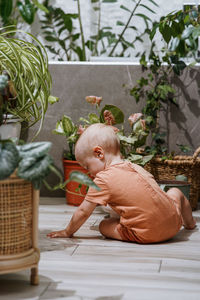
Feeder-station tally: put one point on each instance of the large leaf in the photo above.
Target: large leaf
(68, 125)
(34, 169)
(9, 158)
(128, 139)
(116, 112)
(27, 11)
(6, 7)
(34, 150)
(83, 179)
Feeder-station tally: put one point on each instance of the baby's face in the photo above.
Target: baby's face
(93, 164)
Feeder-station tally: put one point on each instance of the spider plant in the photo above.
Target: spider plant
(25, 63)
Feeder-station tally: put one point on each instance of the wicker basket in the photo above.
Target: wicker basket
(169, 169)
(18, 227)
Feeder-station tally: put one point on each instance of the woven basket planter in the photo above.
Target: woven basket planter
(19, 227)
(169, 169)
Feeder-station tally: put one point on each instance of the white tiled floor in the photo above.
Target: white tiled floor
(91, 267)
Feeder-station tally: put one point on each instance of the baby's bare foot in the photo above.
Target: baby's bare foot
(190, 225)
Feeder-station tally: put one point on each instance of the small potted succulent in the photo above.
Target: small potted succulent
(110, 115)
(25, 81)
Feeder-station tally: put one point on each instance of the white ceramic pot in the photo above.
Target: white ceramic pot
(11, 128)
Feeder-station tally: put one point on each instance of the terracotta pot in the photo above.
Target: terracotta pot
(72, 196)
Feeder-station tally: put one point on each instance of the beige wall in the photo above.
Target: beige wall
(73, 81)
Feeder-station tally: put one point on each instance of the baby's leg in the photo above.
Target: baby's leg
(184, 207)
(108, 228)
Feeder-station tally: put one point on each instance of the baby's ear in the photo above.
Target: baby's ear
(98, 152)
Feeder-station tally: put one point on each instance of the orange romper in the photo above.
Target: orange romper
(147, 214)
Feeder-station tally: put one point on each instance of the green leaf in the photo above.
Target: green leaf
(84, 120)
(176, 28)
(135, 158)
(83, 179)
(116, 112)
(34, 169)
(129, 140)
(34, 150)
(53, 99)
(143, 17)
(153, 31)
(6, 7)
(9, 158)
(165, 30)
(140, 159)
(51, 38)
(27, 11)
(109, 1)
(125, 8)
(148, 8)
(68, 22)
(93, 118)
(153, 2)
(41, 6)
(59, 128)
(68, 125)
(90, 44)
(119, 23)
(178, 67)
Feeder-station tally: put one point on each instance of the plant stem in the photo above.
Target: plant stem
(98, 30)
(123, 31)
(81, 30)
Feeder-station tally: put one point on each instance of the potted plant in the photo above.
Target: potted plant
(23, 169)
(19, 200)
(25, 81)
(179, 31)
(110, 115)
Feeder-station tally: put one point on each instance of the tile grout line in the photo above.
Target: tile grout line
(44, 291)
(74, 250)
(160, 266)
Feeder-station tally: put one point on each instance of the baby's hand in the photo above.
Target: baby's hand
(59, 234)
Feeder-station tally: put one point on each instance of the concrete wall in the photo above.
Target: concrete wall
(73, 81)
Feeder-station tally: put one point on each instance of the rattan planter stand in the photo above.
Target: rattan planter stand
(19, 227)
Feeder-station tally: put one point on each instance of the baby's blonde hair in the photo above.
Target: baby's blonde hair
(97, 135)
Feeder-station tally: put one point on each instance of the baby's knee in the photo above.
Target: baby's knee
(174, 191)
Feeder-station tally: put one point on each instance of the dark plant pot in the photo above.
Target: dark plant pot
(184, 186)
(72, 196)
(11, 128)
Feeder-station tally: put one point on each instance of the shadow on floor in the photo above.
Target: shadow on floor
(16, 286)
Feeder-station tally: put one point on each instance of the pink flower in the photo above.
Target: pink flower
(108, 117)
(80, 130)
(134, 117)
(93, 100)
(143, 124)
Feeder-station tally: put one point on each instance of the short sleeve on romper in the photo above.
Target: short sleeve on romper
(99, 197)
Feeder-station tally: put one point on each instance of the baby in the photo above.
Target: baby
(146, 214)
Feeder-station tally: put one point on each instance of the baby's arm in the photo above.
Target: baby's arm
(78, 219)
